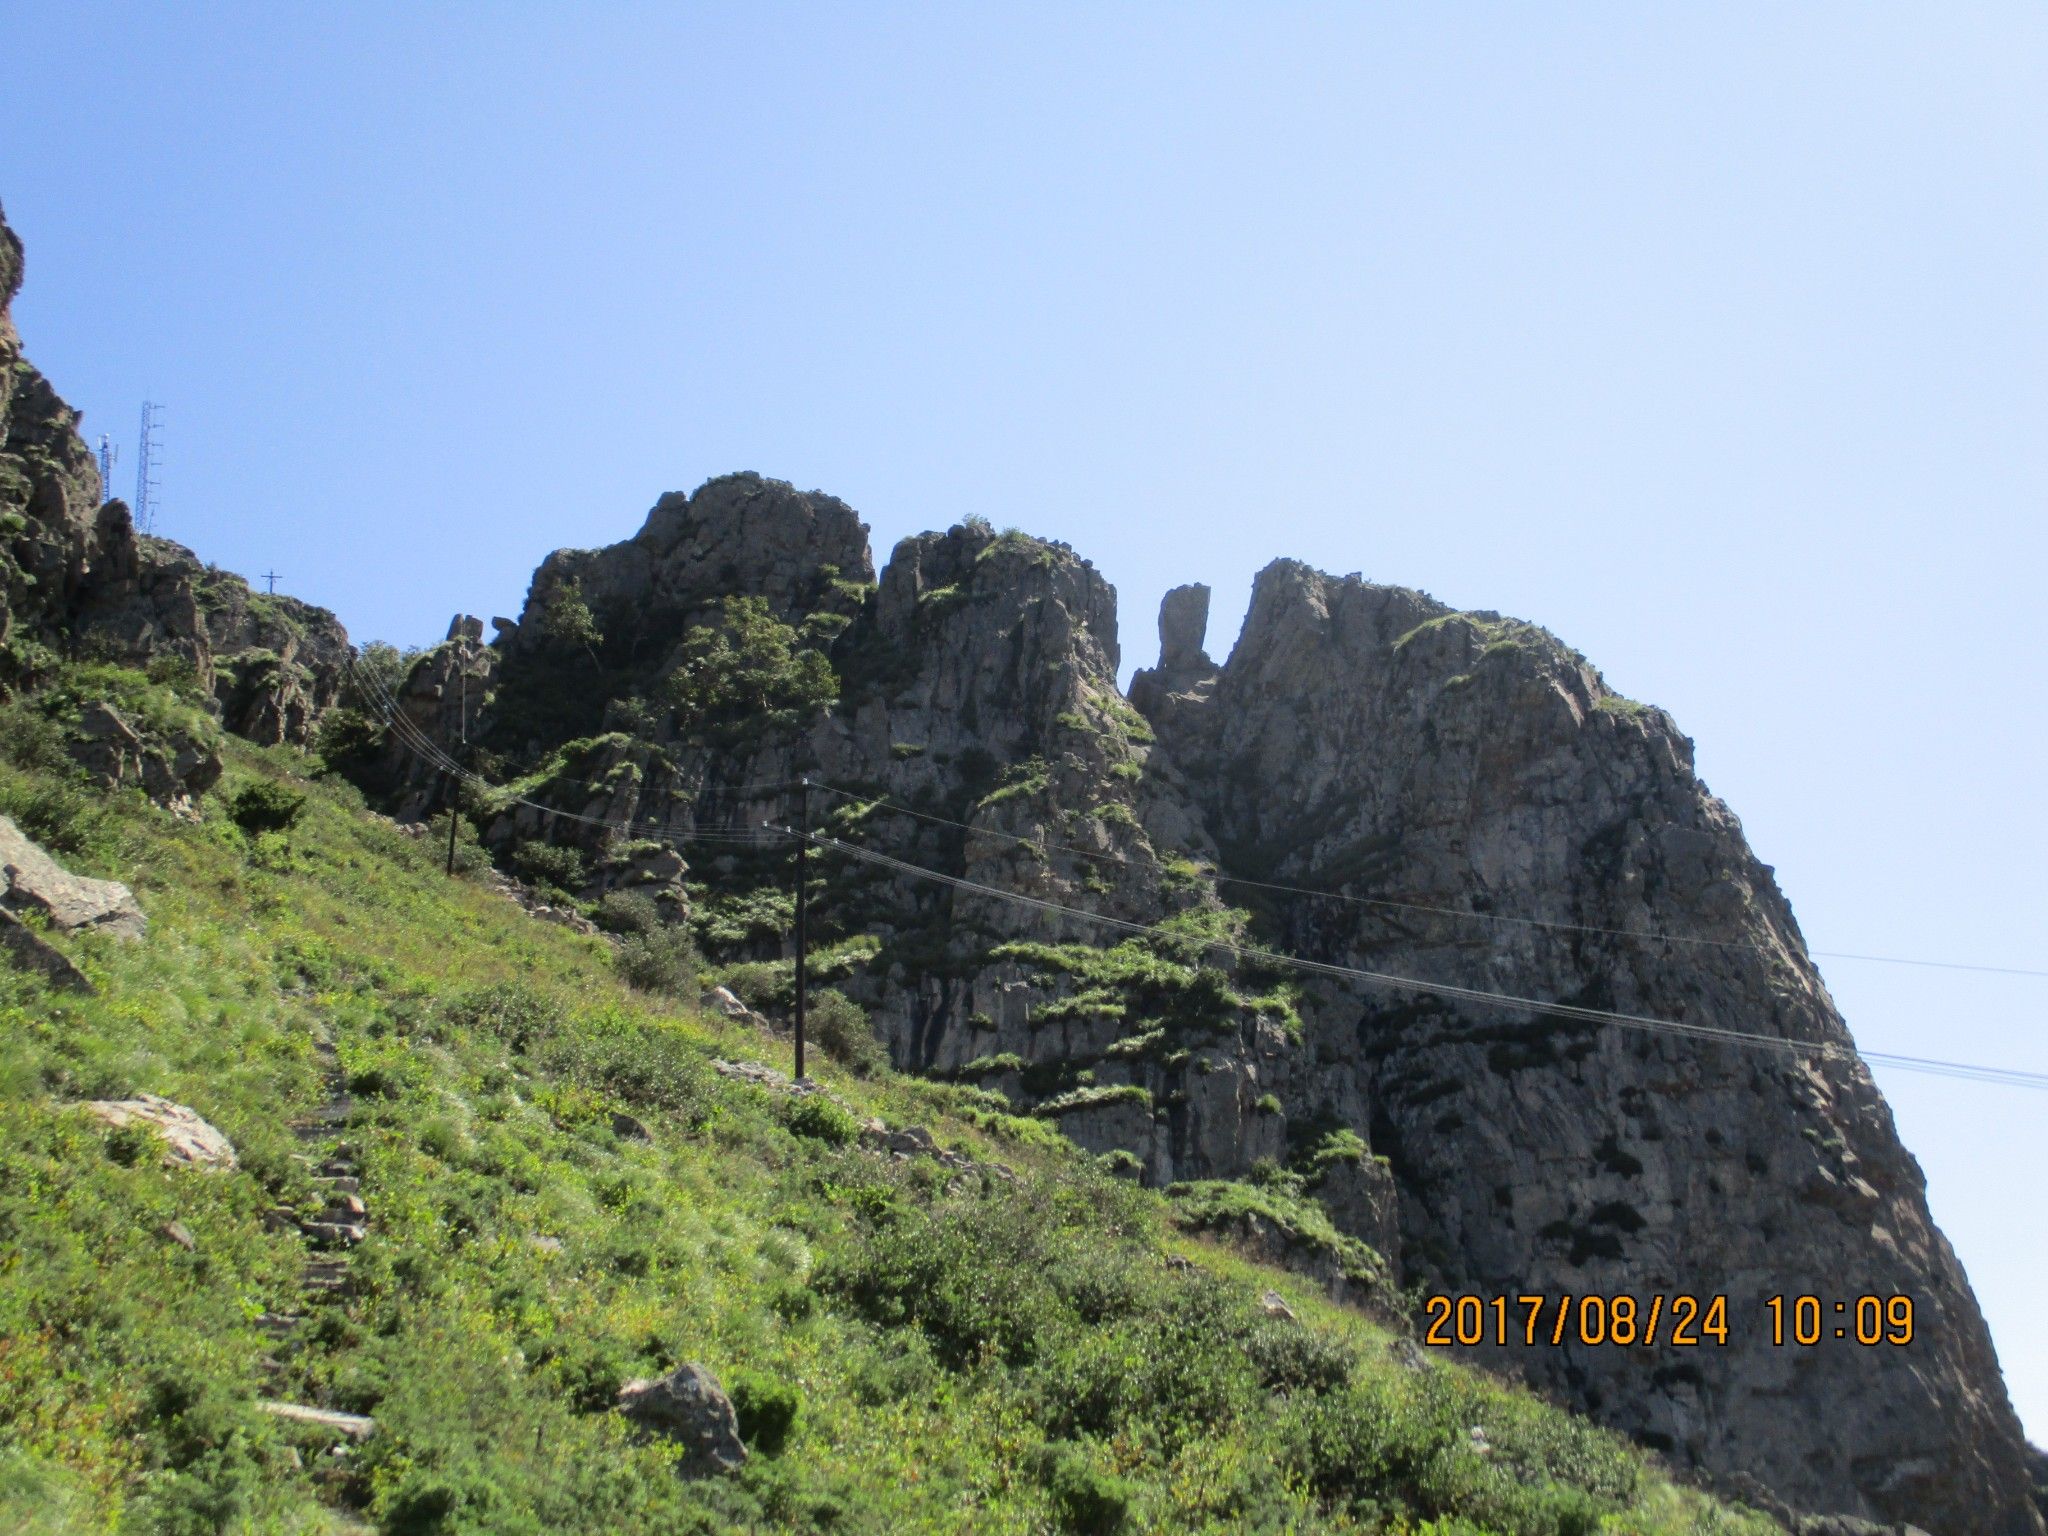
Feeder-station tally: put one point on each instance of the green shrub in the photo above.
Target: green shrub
(265, 806)
(349, 742)
(510, 1011)
(767, 1408)
(627, 912)
(841, 1029)
(815, 1115)
(751, 669)
(659, 960)
(549, 864)
(1086, 1500)
(568, 621)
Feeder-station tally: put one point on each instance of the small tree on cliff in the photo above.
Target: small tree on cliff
(569, 621)
(752, 666)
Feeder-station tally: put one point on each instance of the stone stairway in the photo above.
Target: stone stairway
(342, 1223)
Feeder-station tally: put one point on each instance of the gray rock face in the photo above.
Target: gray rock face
(1183, 624)
(1369, 740)
(173, 770)
(32, 881)
(689, 1407)
(73, 569)
(51, 537)
(271, 664)
(1364, 740)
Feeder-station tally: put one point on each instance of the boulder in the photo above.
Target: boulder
(689, 1407)
(32, 881)
(189, 1142)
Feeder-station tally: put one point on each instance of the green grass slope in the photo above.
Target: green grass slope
(911, 1349)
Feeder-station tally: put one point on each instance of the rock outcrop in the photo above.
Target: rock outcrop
(32, 881)
(173, 768)
(188, 1140)
(1494, 817)
(1436, 771)
(689, 1407)
(76, 578)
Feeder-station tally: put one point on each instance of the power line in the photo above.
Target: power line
(1825, 1049)
(761, 836)
(386, 706)
(420, 745)
(1649, 935)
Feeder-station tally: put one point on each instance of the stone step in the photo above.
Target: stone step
(354, 1425)
(334, 1234)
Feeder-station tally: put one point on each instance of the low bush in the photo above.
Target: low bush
(266, 806)
(627, 912)
(766, 1407)
(659, 960)
(1086, 1500)
(549, 864)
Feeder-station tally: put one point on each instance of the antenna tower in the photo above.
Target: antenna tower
(149, 449)
(108, 454)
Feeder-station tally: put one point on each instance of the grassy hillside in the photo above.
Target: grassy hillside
(911, 1348)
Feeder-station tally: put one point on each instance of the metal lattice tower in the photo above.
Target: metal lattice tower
(149, 450)
(108, 454)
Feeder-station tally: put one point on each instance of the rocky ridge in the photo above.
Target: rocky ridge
(1366, 739)
(1360, 739)
(76, 578)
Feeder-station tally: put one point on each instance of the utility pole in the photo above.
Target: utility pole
(803, 902)
(462, 746)
(451, 825)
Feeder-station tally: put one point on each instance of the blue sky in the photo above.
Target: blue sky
(1713, 338)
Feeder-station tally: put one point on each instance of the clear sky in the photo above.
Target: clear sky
(1714, 338)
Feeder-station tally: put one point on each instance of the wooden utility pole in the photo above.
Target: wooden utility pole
(803, 905)
(452, 787)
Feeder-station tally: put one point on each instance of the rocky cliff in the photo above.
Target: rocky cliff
(76, 578)
(1487, 813)
(1476, 806)
(1367, 740)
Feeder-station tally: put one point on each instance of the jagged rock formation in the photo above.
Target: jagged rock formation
(271, 665)
(1367, 739)
(52, 534)
(75, 575)
(1360, 739)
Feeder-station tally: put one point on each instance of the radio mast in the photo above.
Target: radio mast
(149, 451)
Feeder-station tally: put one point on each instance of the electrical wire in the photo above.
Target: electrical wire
(422, 746)
(1649, 935)
(1826, 1050)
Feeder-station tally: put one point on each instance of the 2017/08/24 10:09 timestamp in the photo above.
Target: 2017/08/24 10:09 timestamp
(1681, 1321)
